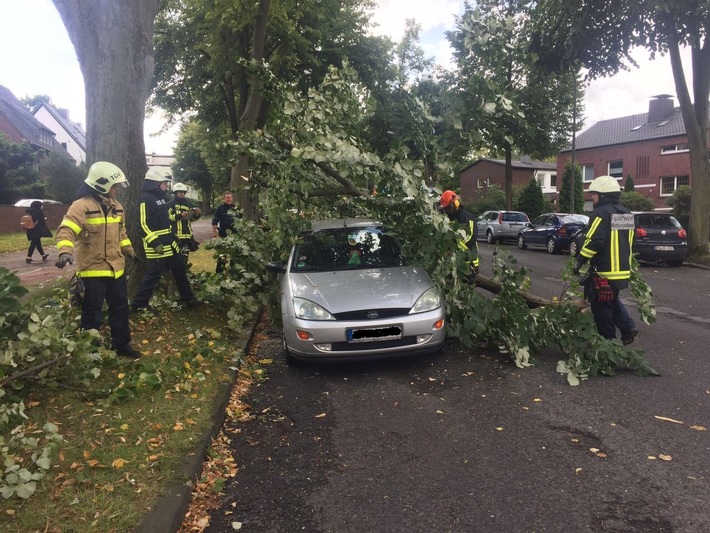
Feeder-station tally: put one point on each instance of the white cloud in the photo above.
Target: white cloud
(390, 15)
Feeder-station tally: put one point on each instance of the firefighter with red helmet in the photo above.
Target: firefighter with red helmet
(450, 204)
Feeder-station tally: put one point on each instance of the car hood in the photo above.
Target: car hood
(348, 290)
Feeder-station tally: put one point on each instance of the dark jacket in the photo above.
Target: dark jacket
(154, 227)
(609, 241)
(40, 230)
(468, 223)
(182, 227)
(224, 217)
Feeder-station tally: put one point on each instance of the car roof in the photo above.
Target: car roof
(318, 225)
(26, 202)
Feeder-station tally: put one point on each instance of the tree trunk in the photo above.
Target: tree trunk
(531, 300)
(113, 40)
(240, 178)
(695, 118)
(508, 177)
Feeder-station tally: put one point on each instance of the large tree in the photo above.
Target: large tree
(113, 40)
(599, 36)
(516, 106)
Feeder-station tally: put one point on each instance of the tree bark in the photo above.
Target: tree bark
(532, 301)
(695, 118)
(113, 40)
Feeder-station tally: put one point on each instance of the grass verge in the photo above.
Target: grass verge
(127, 436)
(15, 242)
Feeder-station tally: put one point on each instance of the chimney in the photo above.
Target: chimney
(64, 112)
(660, 108)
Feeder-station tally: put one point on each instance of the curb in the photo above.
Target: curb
(168, 513)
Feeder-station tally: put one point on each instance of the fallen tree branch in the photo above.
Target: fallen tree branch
(33, 370)
(533, 301)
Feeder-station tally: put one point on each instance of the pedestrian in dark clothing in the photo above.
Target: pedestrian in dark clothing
(608, 248)
(161, 249)
(224, 217)
(35, 234)
(450, 204)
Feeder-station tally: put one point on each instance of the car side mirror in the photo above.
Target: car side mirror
(276, 266)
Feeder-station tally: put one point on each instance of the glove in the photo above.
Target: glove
(136, 259)
(158, 248)
(64, 259)
(604, 292)
(578, 265)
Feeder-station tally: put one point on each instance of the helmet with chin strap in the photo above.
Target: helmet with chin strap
(604, 184)
(155, 175)
(179, 187)
(104, 175)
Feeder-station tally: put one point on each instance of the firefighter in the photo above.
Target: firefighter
(608, 248)
(93, 232)
(161, 249)
(450, 204)
(181, 216)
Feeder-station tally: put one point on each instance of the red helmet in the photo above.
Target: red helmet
(446, 198)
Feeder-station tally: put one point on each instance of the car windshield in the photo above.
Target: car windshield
(344, 249)
(515, 217)
(574, 219)
(657, 221)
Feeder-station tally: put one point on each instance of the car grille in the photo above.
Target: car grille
(375, 345)
(363, 315)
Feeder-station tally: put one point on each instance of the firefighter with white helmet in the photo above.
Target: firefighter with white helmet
(161, 249)
(96, 221)
(181, 215)
(608, 247)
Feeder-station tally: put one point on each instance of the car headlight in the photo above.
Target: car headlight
(428, 301)
(307, 310)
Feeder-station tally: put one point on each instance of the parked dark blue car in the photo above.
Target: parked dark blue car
(551, 231)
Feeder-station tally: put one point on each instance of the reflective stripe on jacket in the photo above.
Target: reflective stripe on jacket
(94, 232)
(608, 250)
(182, 227)
(468, 242)
(154, 226)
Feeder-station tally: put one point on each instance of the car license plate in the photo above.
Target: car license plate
(386, 333)
(664, 248)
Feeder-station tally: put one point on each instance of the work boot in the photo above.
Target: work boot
(194, 303)
(128, 351)
(628, 338)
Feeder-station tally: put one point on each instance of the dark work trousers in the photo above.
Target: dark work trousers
(608, 316)
(176, 264)
(35, 243)
(115, 292)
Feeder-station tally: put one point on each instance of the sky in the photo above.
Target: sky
(38, 58)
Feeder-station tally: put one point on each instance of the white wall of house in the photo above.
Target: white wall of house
(547, 180)
(61, 135)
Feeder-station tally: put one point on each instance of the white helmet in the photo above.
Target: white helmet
(104, 175)
(155, 175)
(179, 187)
(604, 184)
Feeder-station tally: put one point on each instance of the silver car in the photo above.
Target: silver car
(498, 225)
(347, 293)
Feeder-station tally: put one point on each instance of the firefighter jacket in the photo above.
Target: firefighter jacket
(94, 232)
(609, 241)
(154, 226)
(468, 242)
(182, 227)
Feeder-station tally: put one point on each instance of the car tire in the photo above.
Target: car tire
(551, 246)
(573, 247)
(489, 237)
(521, 242)
(288, 357)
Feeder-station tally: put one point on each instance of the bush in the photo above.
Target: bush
(637, 202)
(680, 202)
(491, 200)
(532, 200)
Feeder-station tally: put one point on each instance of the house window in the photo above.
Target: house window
(553, 181)
(588, 172)
(484, 182)
(616, 169)
(674, 148)
(670, 183)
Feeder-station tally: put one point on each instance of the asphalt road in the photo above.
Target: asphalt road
(465, 442)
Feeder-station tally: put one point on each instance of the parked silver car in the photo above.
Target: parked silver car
(498, 225)
(347, 293)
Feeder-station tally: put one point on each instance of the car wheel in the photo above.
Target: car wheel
(551, 246)
(289, 358)
(675, 263)
(489, 237)
(521, 242)
(573, 247)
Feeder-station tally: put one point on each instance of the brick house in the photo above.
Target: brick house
(18, 124)
(483, 173)
(651, 147)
